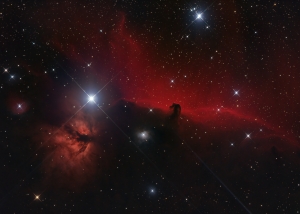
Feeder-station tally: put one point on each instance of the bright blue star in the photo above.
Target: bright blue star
(199, 16)
(92, 98)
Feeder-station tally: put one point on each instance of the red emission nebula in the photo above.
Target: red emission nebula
(71, 153)
(207, 100)
(220, 103)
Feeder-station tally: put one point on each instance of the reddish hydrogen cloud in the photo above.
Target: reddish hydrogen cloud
(143, 83)
(73, 153)
(116, 45)
(154, 84)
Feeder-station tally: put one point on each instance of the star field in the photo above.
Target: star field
(149, 106)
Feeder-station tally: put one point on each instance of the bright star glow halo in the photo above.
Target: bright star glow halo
(91, 98)
(144, 135)
(199, 16)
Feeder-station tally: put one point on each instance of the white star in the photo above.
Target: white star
(143, 135)
(19, 105)
(199, 16)
(92, 98)
(248, 136)
(5, 70)
(236, 93)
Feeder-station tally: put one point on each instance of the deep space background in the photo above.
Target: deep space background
(136, 106)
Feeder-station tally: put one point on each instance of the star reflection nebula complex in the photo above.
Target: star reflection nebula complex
(73, 130)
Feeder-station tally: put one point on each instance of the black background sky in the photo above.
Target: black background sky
(232, 66)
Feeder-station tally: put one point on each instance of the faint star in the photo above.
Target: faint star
(5, 70)
(236, 93)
